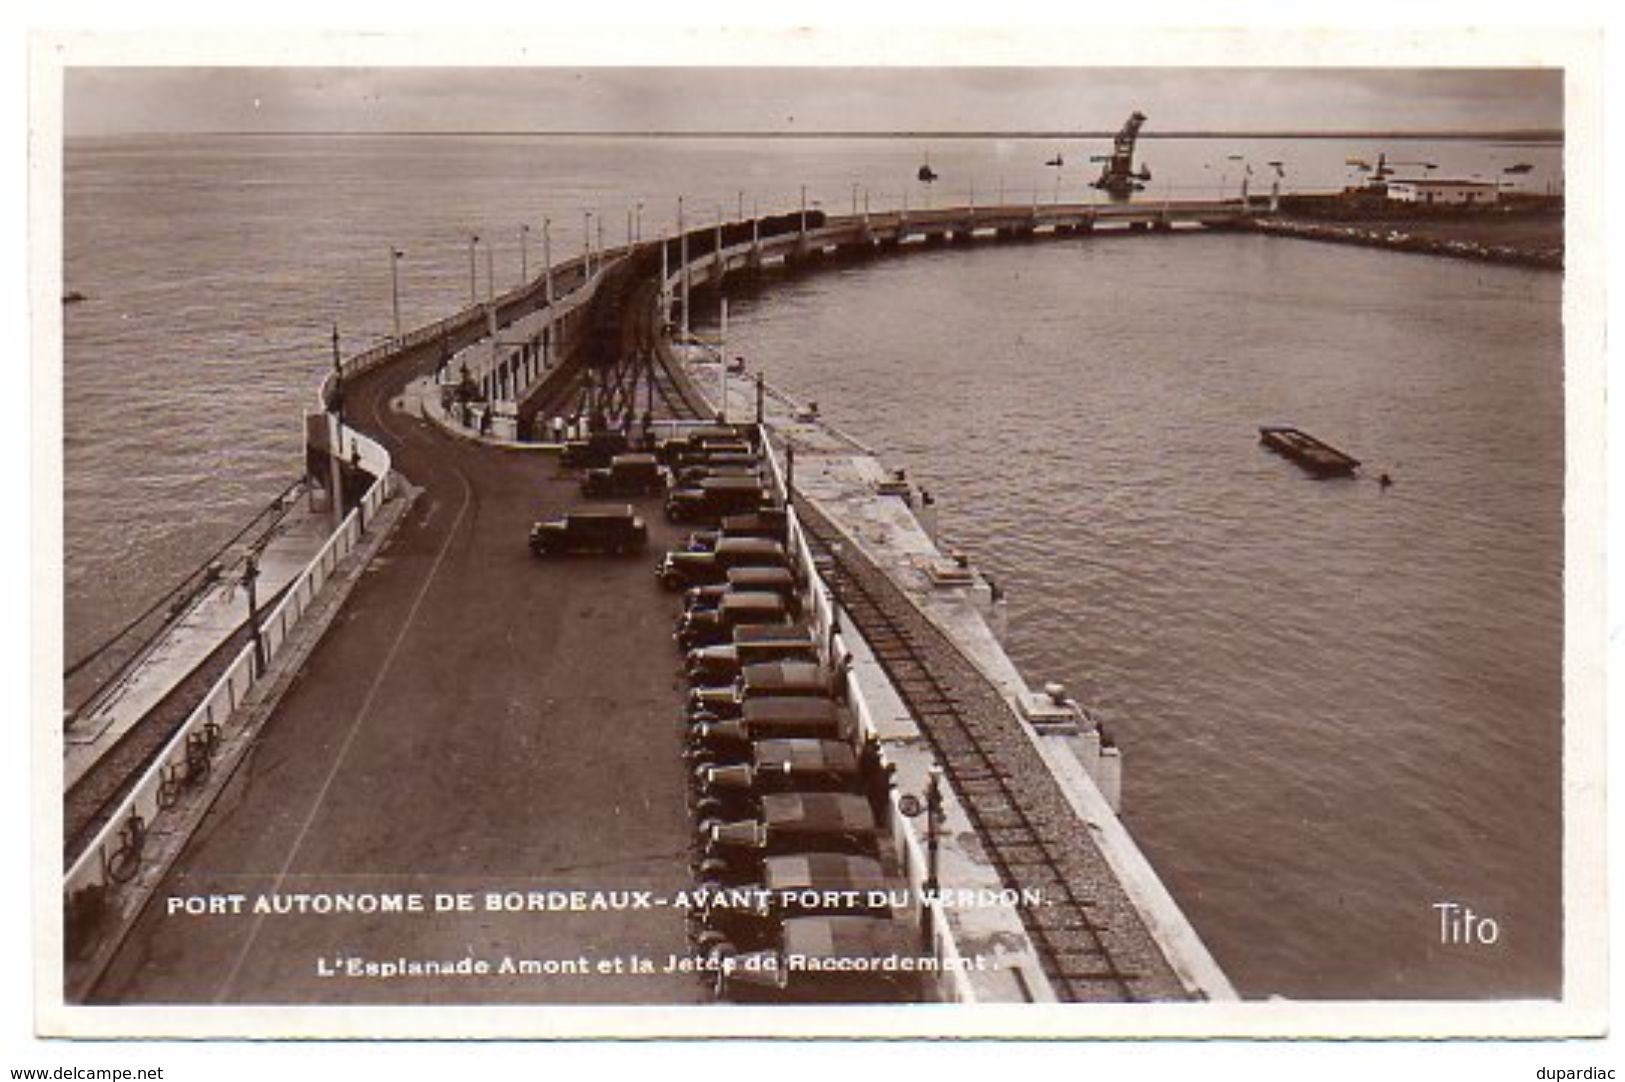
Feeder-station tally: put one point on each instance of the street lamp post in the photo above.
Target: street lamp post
(933, 824)
(586, 243)
(473, 281)
(933, 828)
(251, 574)
(682, 262)
(338, 379)
(524, 254)
(637, 224)
(547, 258)
(722, 362)
(395, 255)
(335, 437)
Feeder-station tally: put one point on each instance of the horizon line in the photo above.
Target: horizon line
(1519, 134)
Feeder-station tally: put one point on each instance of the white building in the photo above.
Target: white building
(1457, 193)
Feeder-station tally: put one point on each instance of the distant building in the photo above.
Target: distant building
(1455, 193)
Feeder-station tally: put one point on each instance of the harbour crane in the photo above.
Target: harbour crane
(1117, 176)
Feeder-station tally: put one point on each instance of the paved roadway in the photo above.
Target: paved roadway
(476, 720)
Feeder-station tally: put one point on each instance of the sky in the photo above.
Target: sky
(116, 100)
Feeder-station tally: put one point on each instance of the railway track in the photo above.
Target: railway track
(1078, 952)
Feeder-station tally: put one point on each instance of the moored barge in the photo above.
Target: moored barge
(1316, 456)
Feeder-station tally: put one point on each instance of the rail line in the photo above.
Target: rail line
(1075, 951)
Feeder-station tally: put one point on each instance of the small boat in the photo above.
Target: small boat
(1056, 161)
(72, 297)
(1520, 168)
(926, 173)
(1316, 456)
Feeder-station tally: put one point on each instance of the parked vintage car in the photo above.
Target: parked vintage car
(764, 719)
(689, 477)
(785, 823)
(751, 643)
(779, 679)
(699, 440)
(823, 959)
(715, 498)
(626, 475)
(683, 569)
(597, 449)
(770, 522)
(748, 916)
(716, 453)
(731, 790)
(613, 529)
(772, 580)
(709, 627)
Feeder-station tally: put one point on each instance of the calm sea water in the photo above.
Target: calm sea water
(1339, 705)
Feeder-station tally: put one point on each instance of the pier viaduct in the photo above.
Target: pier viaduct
(472, 721)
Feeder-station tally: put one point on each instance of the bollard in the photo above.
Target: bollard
(927, 514)
(998, 617)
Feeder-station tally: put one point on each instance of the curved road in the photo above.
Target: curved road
(476, 721)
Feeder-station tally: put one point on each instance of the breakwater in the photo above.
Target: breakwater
(1413, 238)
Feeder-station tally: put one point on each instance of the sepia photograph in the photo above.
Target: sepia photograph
(977, 548)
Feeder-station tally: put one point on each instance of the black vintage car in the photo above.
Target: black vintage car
(717, 454)
(750, 643)
(594, 451)
(683, 569)
(804, 718)
(613, 529)
(626, 475)
(715, 498)
(770, 522)
(693, 476)
(824, 959)
(776, 679)
(771, 580)
(700, 440)
(785, 823)
(708, 627)
(731, 790)
(748, 916)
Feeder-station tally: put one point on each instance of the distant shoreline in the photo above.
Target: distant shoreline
(1529, 136)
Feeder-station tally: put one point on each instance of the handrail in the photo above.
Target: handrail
(115, 853)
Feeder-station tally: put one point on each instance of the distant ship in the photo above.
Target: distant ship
(1520, 168)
